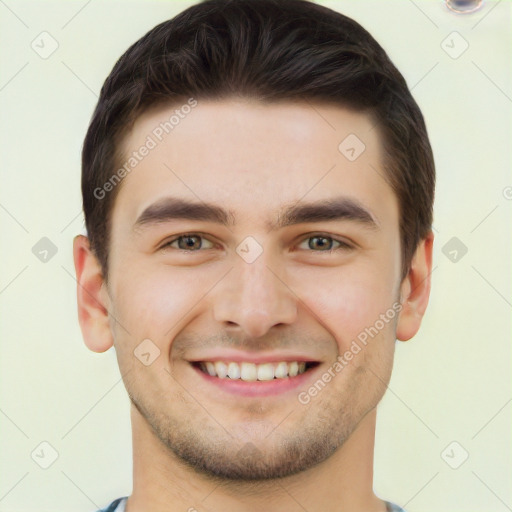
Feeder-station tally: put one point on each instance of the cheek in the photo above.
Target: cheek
(155, 304)
(348, 301)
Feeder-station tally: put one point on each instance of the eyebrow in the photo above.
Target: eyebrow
(332, 209)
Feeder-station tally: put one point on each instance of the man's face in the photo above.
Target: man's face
(260, 289)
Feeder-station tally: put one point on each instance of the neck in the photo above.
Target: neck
(162, 483)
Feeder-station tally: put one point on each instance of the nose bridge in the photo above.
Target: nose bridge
(254, 298)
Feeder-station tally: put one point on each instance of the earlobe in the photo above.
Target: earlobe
(415, 290)
(91, 297)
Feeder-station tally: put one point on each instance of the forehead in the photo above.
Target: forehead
(251, 157)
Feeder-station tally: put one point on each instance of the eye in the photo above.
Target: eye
(190, 242)
(324, 243)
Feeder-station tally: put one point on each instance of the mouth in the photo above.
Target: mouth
(255, 379)
(251, 372)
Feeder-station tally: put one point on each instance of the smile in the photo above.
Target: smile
(251, 372)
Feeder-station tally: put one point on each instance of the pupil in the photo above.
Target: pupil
(321, 245)
(190, 243)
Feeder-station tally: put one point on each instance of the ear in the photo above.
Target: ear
(92, 297)
(415, 290)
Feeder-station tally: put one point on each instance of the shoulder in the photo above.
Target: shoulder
(116, 506)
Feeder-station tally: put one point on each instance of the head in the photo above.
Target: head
(245, 106)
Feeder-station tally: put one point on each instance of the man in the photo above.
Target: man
(257, 185)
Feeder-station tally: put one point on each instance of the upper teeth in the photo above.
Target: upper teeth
(251, 371)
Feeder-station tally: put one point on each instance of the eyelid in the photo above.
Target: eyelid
(175, 238)
(344, 244)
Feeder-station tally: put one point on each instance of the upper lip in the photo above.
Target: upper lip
(238, 356)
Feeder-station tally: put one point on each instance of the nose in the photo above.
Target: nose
(253, 299)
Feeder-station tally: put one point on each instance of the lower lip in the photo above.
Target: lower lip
(257, 387)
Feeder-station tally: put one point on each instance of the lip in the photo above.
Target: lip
(238, 356)
(257, 388)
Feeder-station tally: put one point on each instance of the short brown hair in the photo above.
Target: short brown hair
(270, 50)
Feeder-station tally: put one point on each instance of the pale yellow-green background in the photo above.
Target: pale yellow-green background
(450, 383)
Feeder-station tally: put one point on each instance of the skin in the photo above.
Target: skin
(197, 446)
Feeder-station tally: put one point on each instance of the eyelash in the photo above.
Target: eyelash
(343, 245)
